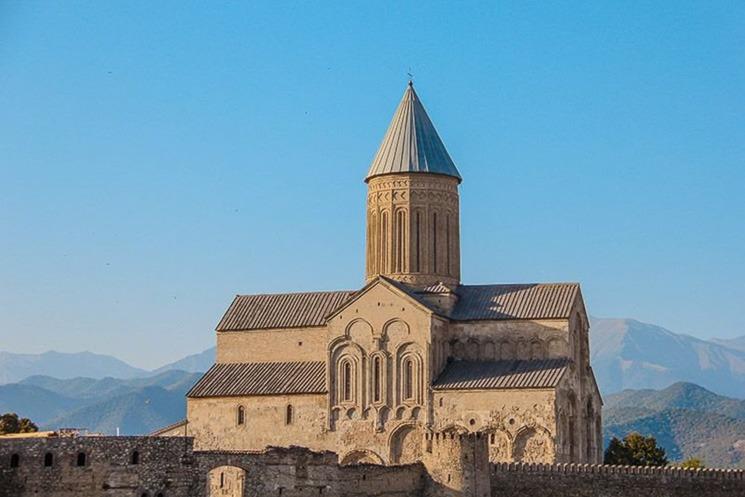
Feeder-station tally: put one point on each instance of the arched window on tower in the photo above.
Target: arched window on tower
(447, 244)
(241, 415)
(416, 246)
(434, 242)
(400, 246)
(384, 242)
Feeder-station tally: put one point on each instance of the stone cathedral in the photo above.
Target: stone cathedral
(372, 373)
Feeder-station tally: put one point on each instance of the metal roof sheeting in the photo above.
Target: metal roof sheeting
(475, 302)
(261, 378)
(283, 310)
(488, 375)
(411, 144)
(532, 301)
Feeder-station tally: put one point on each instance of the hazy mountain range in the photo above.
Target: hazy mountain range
(630, 354)
(135, 406)
(16, 367)
(686, 419)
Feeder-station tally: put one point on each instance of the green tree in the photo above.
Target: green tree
(635, 450)
(11, 423)
(693, 463)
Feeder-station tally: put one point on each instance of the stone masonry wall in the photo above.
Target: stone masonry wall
(163, 467)
(453, 467)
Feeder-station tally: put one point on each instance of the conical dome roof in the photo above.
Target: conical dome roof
(411, 144)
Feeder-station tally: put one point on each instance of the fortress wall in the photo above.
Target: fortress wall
(597, 480)
(164, 466)
(454, 466)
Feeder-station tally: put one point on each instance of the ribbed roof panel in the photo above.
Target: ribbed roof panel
(261, 378)
(530, 301)
(475, 302)
(411, 144)
(488, 375)
(283, 310)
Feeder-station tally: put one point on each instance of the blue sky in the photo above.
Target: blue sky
(157, 158)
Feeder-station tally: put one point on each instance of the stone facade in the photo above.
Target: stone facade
(452, 466)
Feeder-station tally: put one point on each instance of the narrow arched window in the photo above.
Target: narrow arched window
(241, 415)
(222, 480)
(384, 243)
(15, 460)
(408, 379)
(346, 381)
(447, 244)
(81, 458)
(417, 247)
(135, 458)
(434, 242)
(377, 380)
(288, 415)
(48, 459)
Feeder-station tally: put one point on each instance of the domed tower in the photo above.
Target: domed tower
(413, 226)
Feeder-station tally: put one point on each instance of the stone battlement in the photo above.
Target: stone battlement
(96, 466)
(669, 471)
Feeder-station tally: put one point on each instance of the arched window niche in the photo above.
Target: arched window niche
(241, 416)
(346, 375)
(378, 378)
(409, 369)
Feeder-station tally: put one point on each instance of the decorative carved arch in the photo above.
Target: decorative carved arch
(472, 350)
(341, 354)
(537, 349)
(397, 326)
(409, 373)
(555, 347)
(358, 325)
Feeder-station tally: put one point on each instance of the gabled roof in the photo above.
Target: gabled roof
(281, 310)
(475, 302)
(527, 301)
(261, 378)
(489, 375)
(411, 144)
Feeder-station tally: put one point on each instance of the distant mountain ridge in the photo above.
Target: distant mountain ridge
(686, 419)
(16, 367)
(135, 406)
(629, 354)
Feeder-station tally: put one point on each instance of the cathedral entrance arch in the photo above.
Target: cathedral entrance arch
(226, 481)
(361, 456)
(406, 445)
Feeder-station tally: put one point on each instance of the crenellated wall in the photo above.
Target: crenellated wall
(453, 465)
(597, 480)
